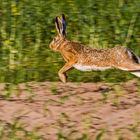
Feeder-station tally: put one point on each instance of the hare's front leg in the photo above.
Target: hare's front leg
(63, 70)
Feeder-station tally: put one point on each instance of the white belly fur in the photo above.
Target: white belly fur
(89, 68)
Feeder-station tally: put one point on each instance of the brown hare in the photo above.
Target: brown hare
(85, 58)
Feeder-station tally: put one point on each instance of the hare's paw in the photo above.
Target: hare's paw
(62, 77)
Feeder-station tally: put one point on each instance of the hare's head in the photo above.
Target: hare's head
(60, 24)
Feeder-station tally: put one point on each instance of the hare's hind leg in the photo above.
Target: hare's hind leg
(64, 69)
(136, 70)
(133, 68)
(136, 73)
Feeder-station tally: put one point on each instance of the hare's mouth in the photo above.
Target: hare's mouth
(89, 67)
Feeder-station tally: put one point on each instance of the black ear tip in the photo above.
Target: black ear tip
(63, 16)
(56, 18)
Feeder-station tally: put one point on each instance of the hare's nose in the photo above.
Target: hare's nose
(50, 46)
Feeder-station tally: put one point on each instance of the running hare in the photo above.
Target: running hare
(87, 59)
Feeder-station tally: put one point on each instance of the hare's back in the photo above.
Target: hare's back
(101, 59)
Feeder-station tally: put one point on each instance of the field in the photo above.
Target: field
(71, 111)
(34, 104)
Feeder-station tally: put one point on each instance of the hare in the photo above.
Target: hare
(85, 58)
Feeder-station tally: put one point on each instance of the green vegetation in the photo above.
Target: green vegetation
(16, 131)
(27, 27)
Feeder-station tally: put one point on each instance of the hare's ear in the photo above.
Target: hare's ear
(63, 21)
(57, 24)
(60, 24)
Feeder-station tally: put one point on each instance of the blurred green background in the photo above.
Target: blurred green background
(27, 27)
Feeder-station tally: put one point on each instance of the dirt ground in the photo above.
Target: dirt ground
(75, 111)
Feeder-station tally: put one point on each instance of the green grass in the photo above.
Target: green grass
(16, 131)
(27, 27)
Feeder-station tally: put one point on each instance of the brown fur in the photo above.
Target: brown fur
(76, 53)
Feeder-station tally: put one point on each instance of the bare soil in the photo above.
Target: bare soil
(75, 110)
